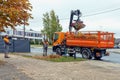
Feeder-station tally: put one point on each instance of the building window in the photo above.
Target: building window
(8, 32)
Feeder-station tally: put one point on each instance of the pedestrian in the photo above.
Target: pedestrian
(45, 47)
(6, 45)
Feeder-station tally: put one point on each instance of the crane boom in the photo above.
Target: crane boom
(76, 23)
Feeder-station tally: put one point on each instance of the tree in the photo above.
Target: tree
(51, 24)
(14, 12)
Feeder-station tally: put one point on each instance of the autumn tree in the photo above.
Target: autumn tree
(14, 12)
(51, 24)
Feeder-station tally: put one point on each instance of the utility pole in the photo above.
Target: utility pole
(0, 36)
(24, 25)
(24, 30)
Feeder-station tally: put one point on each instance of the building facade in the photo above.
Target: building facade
(21, 34)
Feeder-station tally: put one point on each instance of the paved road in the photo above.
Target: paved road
(40, 51)
(115, 58)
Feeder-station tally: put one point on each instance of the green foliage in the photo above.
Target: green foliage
(51, 24)
(31, 42)
(36, 42)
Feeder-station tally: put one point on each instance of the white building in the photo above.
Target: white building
(20, 33)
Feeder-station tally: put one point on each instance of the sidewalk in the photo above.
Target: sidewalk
(114, 50)
(8, 71)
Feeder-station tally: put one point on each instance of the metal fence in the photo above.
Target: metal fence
(16, 46)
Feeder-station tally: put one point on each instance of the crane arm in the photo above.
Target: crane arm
(76, 23)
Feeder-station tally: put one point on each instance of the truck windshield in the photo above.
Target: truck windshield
(55, 37)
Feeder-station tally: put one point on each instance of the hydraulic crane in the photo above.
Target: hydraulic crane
(75, 23)
(88, 43)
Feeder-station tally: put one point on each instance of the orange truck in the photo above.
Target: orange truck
(87, 43)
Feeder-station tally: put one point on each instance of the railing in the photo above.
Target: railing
(91, 35)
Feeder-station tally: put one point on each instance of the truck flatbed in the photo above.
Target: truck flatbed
(96, 39)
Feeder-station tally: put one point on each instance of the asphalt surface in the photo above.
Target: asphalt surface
(114, 58)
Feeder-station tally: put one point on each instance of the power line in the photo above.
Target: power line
(102, 12)
(98, 13)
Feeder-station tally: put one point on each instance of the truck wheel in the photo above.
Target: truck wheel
(58, 51)
(86, 53)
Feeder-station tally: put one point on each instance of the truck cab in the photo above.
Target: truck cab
(57, 40)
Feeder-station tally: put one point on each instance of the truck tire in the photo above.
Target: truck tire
(58, 51)
(86, 53)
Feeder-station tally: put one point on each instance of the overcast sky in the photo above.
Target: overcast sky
(109, 21)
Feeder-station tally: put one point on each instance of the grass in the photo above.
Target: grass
(56, 58)
(65, 59)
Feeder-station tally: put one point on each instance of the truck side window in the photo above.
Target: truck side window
(55, 37)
